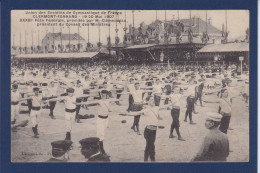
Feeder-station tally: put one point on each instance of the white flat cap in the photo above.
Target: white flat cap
(214, 116)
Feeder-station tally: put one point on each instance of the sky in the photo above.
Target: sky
(237, 23)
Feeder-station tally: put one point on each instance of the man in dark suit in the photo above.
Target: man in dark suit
(91, 150)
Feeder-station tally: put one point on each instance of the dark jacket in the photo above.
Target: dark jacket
(99, 158)
(215, 147)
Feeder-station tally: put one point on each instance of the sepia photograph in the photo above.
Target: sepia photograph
(129, 86)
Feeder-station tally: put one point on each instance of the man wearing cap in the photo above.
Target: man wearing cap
(225, 103)
(157, 92)
(67, 81)
(175, 112)
(28, 93)
(190, 93)
(103, 114)
(215, 146)
(15, 99)
(60, 150)
(199, 90)
(225, 108)
(86, 83)
(52, 93)
(107, 79)
(36, 99)
(232, 88)
(167, 90)
(130, 88)
(79, 97)
(44, 79)
(91, 150)
(70, 110)
(151, 118)
(86, 87)
(54, 76)
(119, 89)
(137, 105)
(35, 79)
(44, 89)
(100, 81)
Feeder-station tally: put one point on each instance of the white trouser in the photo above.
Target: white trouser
(14, 111)
(35, 117)
(101, 127)
(69, 118)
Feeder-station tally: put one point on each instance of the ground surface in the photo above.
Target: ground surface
(123, 144)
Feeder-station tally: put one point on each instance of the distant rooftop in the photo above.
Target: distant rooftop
(59, 36)
(199, 25)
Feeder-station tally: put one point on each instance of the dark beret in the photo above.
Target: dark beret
(104, 92)
(15, 86)
(70, 90)
(59, 148)
(91, 141)
(36, 89)
(62, 144)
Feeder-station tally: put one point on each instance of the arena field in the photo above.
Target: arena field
(123, 144)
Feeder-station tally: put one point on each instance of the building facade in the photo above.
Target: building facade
(59, 42)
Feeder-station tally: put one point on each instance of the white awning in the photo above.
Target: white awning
(140, 46)
(229, 47)
(58, 55)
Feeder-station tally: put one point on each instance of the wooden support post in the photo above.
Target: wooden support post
(150, 54)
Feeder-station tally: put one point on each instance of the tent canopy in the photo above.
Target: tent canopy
(229, 47)
(143, 46)
(86, 55)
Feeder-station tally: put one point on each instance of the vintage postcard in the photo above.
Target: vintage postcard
(130, 85)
